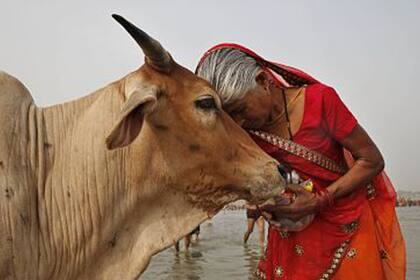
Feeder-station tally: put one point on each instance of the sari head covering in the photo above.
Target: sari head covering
(293, 76)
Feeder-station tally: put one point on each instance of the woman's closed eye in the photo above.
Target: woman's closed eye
(236, 109)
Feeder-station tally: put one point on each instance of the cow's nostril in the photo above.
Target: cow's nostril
(282, 170)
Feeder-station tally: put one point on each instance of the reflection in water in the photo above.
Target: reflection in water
(186, 265)
(251, 257)
(220, 253)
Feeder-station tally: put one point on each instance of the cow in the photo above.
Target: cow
(93, 188)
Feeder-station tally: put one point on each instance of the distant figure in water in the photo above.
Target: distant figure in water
(187, 239)
(254, 216)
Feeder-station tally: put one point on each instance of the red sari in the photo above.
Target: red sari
(342, 242)
(359, 236)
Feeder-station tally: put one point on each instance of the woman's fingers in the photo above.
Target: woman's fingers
(295, 188)
(281, 210)
(276, 202)
(293, 205)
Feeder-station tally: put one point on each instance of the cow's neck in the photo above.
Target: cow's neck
(153, 216)
(146, 231)
(100, 216)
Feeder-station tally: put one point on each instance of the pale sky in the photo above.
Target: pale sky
(368, 50)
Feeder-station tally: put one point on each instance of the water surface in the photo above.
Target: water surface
(220, 254)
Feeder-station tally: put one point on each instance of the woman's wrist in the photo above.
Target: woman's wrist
(324, 199)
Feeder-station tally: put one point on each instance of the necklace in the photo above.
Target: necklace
(287, 106)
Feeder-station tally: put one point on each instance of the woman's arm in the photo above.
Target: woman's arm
(368, 163)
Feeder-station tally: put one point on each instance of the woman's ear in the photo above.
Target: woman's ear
(262, 79)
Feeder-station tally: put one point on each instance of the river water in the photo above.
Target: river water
(220, 254)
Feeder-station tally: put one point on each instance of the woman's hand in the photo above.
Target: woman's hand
(301, 204)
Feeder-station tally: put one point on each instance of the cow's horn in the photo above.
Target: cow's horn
(156, 55)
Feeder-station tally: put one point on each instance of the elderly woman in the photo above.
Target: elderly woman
(354, 233)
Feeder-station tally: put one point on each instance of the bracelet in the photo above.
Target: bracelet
(325, 199)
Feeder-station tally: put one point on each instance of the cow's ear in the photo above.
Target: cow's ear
(130, 120)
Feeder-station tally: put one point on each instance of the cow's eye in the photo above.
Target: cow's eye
(207, 103)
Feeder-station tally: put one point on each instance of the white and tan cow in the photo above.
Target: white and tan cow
(91, 189)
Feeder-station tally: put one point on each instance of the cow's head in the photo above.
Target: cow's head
(202, 151)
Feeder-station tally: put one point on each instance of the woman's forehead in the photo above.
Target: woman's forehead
(238, 104)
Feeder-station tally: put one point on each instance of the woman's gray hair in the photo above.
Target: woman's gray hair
(231, 72)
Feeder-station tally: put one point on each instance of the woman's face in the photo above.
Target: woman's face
(253, 111)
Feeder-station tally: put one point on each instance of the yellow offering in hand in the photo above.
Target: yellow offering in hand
(308, 185)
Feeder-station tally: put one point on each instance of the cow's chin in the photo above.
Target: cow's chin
(263, 195)
(212, 200)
